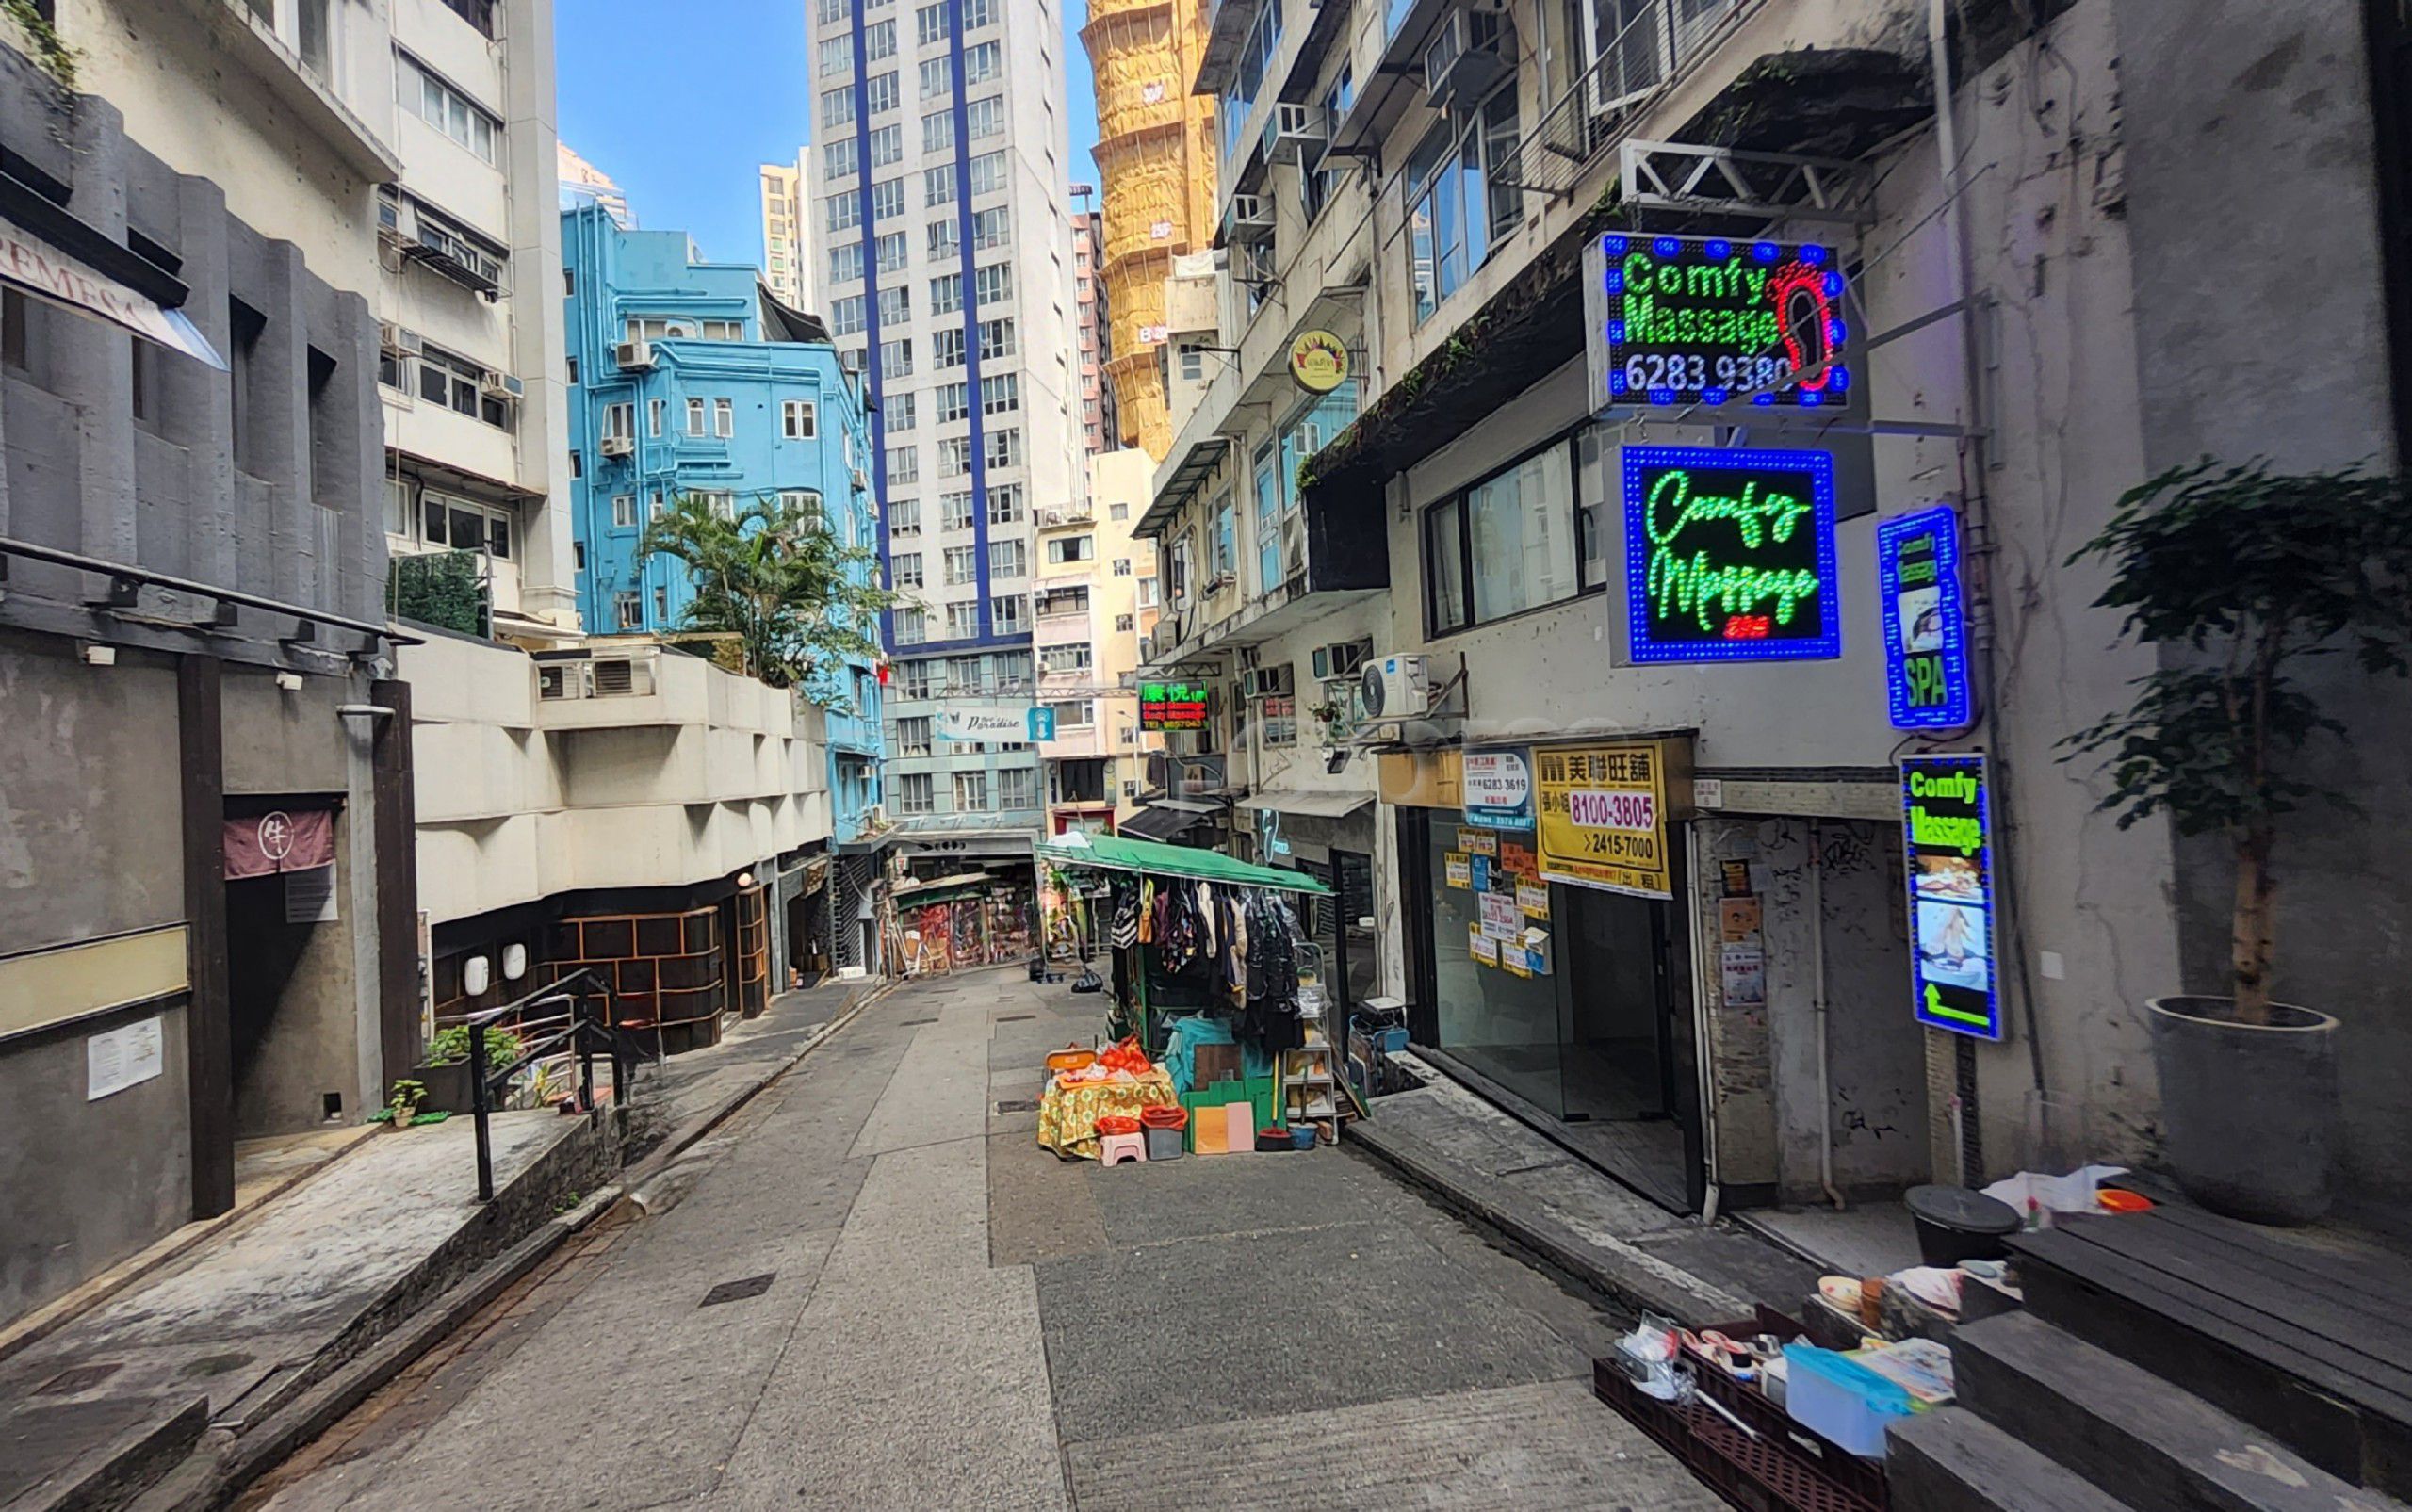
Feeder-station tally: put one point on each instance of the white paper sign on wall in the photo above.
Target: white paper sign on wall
(123, 1057)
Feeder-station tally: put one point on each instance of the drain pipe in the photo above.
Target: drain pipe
(1817, 970)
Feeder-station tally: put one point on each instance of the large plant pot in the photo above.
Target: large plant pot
(2251, 1108)
(448, 1086)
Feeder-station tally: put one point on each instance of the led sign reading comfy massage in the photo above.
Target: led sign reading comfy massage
(1714, 322)
(1730, 555)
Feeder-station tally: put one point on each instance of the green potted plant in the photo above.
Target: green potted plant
(2242, 578)
(404, 1103)
(446, 1071)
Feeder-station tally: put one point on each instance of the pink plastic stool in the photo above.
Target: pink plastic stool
(1113, 1149)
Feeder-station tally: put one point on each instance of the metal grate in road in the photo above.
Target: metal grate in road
(751, 1286)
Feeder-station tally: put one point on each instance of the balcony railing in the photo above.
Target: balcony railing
(1662, 40)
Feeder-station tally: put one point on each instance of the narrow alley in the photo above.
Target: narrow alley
(872, 1290)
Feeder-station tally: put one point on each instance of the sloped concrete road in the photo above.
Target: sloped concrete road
(934, 1313)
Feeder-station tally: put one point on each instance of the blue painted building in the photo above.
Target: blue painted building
(687, 378)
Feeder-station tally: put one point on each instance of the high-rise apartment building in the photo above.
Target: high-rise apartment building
(786, 234)
(938, 189)
(1099, 433)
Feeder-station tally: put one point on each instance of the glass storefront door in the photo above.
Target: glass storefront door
(1503, 1026)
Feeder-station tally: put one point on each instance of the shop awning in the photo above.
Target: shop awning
(33, 264)
(1299, 801)
(1118, 853)
(1160, 821)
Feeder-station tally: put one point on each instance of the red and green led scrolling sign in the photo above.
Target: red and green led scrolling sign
(1708, 322)
(1172, 705)
(1730, 555)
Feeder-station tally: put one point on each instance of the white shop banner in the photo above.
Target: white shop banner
(984, 723)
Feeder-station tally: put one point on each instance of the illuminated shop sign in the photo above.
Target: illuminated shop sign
(1708, 321)
(1948, 822)
(1172, 705)
(1730, 555)
(1926, 629)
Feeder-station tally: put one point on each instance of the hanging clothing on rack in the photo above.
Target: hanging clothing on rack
(1271, 1015)
(1125, 929)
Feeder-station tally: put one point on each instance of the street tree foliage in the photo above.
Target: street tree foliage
(772, 575)
(2246, 576)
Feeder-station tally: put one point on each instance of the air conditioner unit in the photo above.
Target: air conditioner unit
(861, 481)
(1397, 687)
(1464, 60)
(876, 817)
(1267, 682)
(1249, 219)
(559, 680)
(1342, 659)
(502, 387)
(617, 445)
(1051, 516)
(389, 338)
(1294, 134)
(622, 677)
(635, 353)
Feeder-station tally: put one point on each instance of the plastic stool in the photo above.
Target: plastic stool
(1113, 1149)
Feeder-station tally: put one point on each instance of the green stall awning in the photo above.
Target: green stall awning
(1119, 853)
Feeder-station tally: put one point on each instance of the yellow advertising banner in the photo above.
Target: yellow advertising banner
(1602, 813)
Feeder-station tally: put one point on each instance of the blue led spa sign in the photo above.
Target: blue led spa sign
(1730, 555)
(1926, 629)
(1946, 815)
(1706, 321)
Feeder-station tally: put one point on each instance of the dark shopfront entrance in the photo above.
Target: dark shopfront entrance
(1597, 1050)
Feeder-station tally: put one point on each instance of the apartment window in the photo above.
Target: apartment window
(904, 465)
(1004, 503)
(654, 409)
(418, 90)
(978, 13)
(938, 186)
(960, 566)
(1117, 511)
(1528, 535)
(983, 117)
(1000, 395)
(946, 294)
(1008, 558)
(1278, 722)
(805, 504)
(1258, 45)
(723, 418)
(655, 327)
(914, 678)
(953, 402)
(899, 414)
(385, 361)
(843, 211)
(946, 345)
(913, 735)
(1077, 715)
(458, 385)
(620, 420)
(912, 627)
(624, 512)
(1193, 364)
(965, 674)
(937, 77)
(972, 792)
(996, 339)
(987, 172)
(1018, 788)
(1225, 562)
(993, 285)
(846, 316)
(656, 505)
(983, 63)
(946, 237)
(842, 158)
(879, 41)
(1068, 549)
(695, 418)
(1009, 615)
(1146, 592)
(836, 55)
(661, 605)
(895, 306)
(993, 227)
(721, 501)
(903, 515)
(908, 569)
(837, 108)
(799, 419)
(955, 456)
(1005, 447)
(892, 251)
(578, 464)
(1315, 188)
(1058, 659)
(962, 621)
(1125, 624)
(896, 357)
(887, 200)
(937, 131)
(881, 94)
(929, 24)
(1455, 214)
(1122, 566)
(955, 511)
(628, 612)
(915, 792)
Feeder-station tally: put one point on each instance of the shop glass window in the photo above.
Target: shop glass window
(1528, 535)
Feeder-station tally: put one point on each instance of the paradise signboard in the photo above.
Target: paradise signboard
(1948, 821)
(1604, 815)
(1730, 555)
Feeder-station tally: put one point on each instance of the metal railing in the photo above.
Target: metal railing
(587, 1026)
(1650, 53)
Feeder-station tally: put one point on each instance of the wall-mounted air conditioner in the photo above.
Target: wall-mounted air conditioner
(558, 680)
(634, 353)
(1249, 219)
(1465, 61)
(1342, 659)
(622, 677)
(1294, 134)
(1267, 682)
(502, 387)
(617, 445)
(862, 481)
(1397, 687)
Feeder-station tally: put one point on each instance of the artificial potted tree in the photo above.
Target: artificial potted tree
(2242, 578)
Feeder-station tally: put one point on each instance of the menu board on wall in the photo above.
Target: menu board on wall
(1947, 823)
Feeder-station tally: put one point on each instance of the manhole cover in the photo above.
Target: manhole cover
(752, 1286)
(214, 1364)
(77, 1378)
(908, 1023)
(1018, 1105)
(1016, 1018)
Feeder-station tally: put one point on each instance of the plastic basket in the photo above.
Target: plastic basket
(1165, 1144)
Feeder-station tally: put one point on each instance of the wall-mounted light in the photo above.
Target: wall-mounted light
(514, 961)
(477, 974)
(289, 681)
(745, 879)
(100, 655)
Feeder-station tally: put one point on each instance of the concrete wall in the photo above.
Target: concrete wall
(2278, 97)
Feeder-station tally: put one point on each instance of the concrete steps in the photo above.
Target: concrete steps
(1954, 1461)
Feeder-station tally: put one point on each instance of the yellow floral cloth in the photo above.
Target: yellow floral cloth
(1067, 1115)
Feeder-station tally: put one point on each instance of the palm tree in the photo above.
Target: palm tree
(776, 579)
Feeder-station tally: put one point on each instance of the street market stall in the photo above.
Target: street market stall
(1216, 1000)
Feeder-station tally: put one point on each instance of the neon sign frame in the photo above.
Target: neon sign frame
(1981, 1019)
(1802, 284)
(1957, 709)
(1643, 465)
(1170, 695)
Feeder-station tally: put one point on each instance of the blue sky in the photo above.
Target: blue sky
(679, 100)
